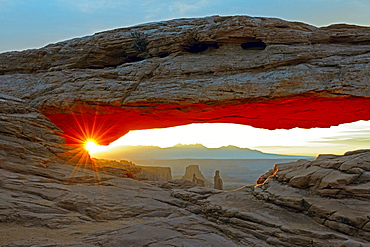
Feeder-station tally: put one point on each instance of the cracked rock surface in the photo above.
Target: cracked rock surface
(332, 189)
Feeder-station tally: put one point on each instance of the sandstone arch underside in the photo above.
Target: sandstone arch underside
(264, 72)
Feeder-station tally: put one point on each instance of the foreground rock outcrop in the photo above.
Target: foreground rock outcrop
(333, 189)
(264, 72)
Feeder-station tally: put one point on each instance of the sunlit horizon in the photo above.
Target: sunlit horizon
(310, 142)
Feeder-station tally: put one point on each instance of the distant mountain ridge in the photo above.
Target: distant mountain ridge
(194, 151)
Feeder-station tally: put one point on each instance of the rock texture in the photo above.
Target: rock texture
(334, 190)
(264, 72)
(28, 139)
(255, 222)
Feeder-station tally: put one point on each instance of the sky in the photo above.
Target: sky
(26, 24)
(311, 142)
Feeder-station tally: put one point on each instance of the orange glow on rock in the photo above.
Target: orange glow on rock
(105, 124)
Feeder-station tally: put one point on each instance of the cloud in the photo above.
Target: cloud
(89, 6)
(349, 137)
(170, 9)
(186, 7)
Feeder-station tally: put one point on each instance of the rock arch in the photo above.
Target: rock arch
(196, 70)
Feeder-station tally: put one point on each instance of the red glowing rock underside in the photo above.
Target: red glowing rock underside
(106, 124)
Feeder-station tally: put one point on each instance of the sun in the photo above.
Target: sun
(92, 147)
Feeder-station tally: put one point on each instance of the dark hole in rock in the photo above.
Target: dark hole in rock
(134, 59)
(102, 66)
(163, 54)
(348, 40)
(254, 45)
(200, 47)
(111, 65)
(95, 67)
